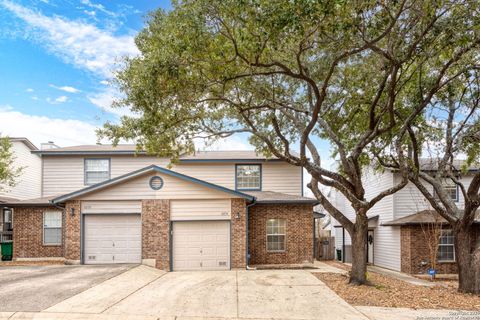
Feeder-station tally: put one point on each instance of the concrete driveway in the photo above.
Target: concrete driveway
(35, 288)
(147, 293)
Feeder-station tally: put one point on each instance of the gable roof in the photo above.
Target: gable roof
(136, 173)
(25, 141)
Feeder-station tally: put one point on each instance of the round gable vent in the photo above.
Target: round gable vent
(156, 183)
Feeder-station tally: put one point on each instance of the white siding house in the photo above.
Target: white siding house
(387, 239)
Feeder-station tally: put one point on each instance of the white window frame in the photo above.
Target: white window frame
(451, 185)
(276, 234)
(442, 232)
(45, 228)
(85, 171)
(259, 188)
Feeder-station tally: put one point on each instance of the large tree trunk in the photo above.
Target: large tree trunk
(467, 254)
(359, 235)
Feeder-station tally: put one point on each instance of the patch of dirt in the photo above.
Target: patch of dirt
(384, 291)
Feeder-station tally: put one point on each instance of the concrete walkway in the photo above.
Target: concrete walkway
(146, 293)
(401, 276)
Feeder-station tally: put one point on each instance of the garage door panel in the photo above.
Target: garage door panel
(201, 245)
(112, 239)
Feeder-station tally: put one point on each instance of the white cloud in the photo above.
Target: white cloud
(29, 90)
(104, 100)
(77, 42)
(34, 98)
(99, 7)
(41, 129)
(104, 82)
(66, 89)
(58, 100)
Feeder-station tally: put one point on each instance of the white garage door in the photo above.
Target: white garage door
(201, 245)
(112, 239)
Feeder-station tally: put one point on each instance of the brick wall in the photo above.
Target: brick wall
(414, 250)
(28, 234)
(239, 240)
(299, 242)
(72, 231)
(155, 232)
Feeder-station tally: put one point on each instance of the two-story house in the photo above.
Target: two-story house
(399, 224)
(210, 211)
(27, 184)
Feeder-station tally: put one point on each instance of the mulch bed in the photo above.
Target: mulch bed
(385, 291)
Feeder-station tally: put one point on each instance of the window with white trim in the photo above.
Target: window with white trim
(96, 170)
(248, 177)
(276, 235)
(446, 247)
(451, 190)
(52, 228)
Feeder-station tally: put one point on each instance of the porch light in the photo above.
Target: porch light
(72, 211)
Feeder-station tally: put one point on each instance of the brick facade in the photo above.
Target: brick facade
(239, 231)
(414, 251)
(299, 242)
(72, 231)
(28, 235)
(156, 232)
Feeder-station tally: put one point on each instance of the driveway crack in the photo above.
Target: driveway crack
(134, 292)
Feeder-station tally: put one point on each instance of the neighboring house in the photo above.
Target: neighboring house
(397, 225)
(101, 204)
(27, 184)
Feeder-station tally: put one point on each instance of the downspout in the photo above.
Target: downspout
(343, 245)
(247, 255)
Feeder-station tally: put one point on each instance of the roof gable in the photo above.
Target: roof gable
(142, 172)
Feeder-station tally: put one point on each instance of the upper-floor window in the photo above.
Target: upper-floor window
(446, 247)
(96, 170)
(248, 177)
(451, 189)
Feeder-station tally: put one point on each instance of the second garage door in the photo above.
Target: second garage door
(201, 245)
(111, 238)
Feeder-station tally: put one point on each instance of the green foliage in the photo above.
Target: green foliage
(8, 172)
(212, 68)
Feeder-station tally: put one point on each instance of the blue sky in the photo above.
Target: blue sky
(56, 58)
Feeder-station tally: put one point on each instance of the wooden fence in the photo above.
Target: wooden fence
(325, 248)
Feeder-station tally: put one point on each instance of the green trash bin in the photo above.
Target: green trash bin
(339, 255)
(7, 250)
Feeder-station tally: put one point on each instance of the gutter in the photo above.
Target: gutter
(247, 255)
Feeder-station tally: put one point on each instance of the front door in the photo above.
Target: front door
(370, 242)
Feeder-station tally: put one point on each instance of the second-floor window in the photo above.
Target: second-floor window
(248, 177)
(96, 170)
(451, 189)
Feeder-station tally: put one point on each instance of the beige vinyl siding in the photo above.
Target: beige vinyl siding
(222, 174)
(215, 209)
(173, 188)
(28, 184)
(64, 174)
(282, 177)
(111, 206)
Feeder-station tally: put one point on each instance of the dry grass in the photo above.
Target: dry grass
(385, 291)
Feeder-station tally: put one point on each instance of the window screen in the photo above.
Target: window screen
(276, 234)
(52, 228)
(96, 170)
